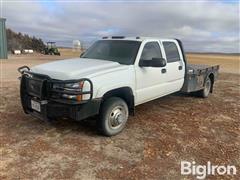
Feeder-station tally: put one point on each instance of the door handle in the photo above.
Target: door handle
(179, 67)
(163, 70)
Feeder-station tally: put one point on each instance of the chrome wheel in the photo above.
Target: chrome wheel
(117, 117)
(113, 116)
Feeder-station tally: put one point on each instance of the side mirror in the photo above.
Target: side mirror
(155, 62)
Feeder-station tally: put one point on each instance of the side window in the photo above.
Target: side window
(171, 52)
(151, 50)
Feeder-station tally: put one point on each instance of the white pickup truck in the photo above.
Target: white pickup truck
(112, 77)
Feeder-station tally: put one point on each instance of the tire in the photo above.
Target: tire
(113, 116)
(207, 88)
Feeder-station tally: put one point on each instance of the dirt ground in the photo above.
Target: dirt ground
(163, 133)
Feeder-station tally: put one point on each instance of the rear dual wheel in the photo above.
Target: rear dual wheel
(113, 116)
(207, 88)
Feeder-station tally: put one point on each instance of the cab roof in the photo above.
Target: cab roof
(137, 38)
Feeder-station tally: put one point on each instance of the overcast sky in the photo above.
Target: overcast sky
(203, 26)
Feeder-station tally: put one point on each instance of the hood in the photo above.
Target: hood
(77, 68)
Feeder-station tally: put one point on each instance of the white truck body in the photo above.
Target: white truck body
(112, 77)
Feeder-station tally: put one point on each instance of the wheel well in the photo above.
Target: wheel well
(125, 93)
(211, 77)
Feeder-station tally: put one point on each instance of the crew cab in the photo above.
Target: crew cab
(112, 77)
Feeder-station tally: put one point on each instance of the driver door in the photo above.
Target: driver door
(150, 81)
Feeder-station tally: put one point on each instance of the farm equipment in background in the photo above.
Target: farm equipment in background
(51, 49)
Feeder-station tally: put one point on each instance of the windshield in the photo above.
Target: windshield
(121, 51)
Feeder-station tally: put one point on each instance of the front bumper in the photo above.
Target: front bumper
(51, 110)
(38, 88)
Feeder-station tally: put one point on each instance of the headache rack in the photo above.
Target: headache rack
(41, 87)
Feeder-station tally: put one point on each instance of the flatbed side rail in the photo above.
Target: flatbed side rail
(202, 70)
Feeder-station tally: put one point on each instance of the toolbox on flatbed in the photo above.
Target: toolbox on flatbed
(196, 75)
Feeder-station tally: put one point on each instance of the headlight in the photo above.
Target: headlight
(73, 91)
(75, 86)
(69, 86)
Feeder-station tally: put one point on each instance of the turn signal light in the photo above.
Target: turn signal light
(79, 97)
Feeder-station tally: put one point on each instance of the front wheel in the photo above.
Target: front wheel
(113, 116)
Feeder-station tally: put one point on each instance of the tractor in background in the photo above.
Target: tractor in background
(51, 49)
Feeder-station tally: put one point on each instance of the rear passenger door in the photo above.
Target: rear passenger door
(175, 65)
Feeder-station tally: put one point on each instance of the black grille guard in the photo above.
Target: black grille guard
(47, 86)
